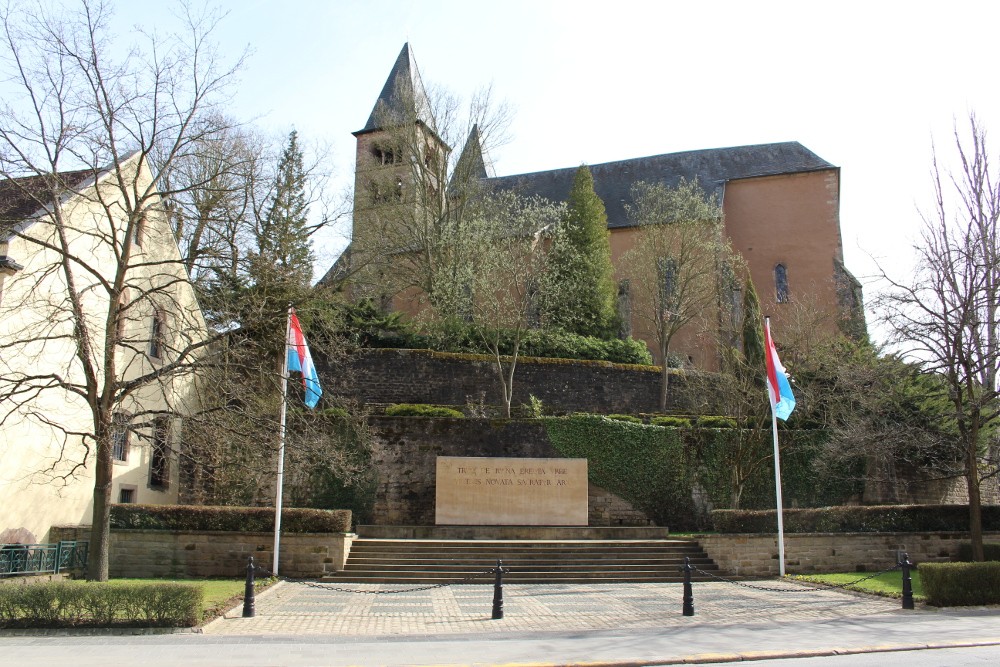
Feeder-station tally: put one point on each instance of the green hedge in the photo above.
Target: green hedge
(79, 604)
(708, 421)
(239, 519)
(991, 551)
(625, 418)
(672, 422)
(961, 584)
(421, 410)
(855, 519)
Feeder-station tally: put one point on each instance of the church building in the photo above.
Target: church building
(780, 201)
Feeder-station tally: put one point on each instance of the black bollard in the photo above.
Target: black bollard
(907, 583)
(498, 591)
(688, 595)
(248, 597)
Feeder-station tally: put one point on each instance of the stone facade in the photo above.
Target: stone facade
(165, 553)
(405, 452)
(421, 376)
(756, 555)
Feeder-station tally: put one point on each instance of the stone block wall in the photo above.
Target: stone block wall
(405, 453)
(164, 553)
(756, 555)
(382, 376)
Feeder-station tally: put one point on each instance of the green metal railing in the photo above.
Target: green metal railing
(62, 556)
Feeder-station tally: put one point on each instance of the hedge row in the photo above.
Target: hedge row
(79, 604)
(240, 519)
(422, 410)
(991, 551)
(855, 519)
(961, 584)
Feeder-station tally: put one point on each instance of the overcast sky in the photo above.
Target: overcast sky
(865, 85)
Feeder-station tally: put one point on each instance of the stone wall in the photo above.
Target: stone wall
(165, 553)
(756, 555)
(405, 453)
(383, 376)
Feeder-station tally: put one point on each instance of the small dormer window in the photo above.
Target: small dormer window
(781, 293)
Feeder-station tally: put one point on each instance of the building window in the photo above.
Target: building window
(384, 155)
(625, 308)
(781, 284)
(667, 269)
(159, 457)
(140, 230)
(157, 334)
(126, 495)
(120, 436)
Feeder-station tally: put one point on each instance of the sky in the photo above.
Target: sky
(865, 85)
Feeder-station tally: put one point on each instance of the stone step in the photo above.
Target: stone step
(513, 532)
(533, 562)
(510, 578)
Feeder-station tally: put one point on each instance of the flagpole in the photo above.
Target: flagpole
(777, 476)
(281, 444)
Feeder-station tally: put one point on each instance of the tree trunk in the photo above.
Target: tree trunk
(975, 506)
(100, 531)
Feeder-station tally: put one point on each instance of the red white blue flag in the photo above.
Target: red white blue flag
(300, 360)
(778, 388)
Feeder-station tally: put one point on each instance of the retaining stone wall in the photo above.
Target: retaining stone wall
(383, 376)
(165, 553)
(405, 452)
(756, 555)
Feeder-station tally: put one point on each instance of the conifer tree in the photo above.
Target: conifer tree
(753, 330)
(580, 290)
(283, 253)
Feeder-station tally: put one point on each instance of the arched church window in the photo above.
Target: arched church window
(781, 284)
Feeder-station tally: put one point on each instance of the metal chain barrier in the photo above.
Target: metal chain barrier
(797, 589)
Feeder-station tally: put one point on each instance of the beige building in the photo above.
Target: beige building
(781, 204)
(63, 266)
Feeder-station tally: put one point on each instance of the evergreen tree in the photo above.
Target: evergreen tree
(753, 331)
(283, 254)
(580, 290)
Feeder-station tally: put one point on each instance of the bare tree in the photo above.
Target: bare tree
(86, 141)
(675, 263)
(505, 264)
(946, 316)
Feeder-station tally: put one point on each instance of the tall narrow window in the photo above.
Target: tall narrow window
(140, 230)
(120, 436)
(667, 268)
(159, 457)
(625, 308)
(157, 334)
(781, 284)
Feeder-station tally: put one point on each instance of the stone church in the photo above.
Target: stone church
(781, 206)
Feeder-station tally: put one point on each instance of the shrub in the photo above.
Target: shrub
(958, 584)
(855, 519)
(421, 410)
(708, 421)
(671, 422)
(77, 603)
(625, 418)
(239, 519)
(991, 551)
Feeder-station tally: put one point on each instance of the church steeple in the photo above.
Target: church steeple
(472, 164)
(403, 98)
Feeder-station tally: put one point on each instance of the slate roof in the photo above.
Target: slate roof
(403, 88)
(712, 167)
(21, 197)
(471, 165)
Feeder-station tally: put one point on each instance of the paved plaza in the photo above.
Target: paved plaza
(317, 608)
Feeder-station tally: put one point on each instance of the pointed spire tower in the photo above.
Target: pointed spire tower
(472, 164)
(401, 165)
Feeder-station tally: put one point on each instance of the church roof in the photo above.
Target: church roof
(403, 97)
(712, 167)
(22, 197)
(471, 165)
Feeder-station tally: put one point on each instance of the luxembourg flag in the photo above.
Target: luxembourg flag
(300, 360)
(778, 389)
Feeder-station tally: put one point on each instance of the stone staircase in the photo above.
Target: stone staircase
(433, 560)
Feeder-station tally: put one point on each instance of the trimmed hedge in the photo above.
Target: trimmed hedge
(625, 418)
(671, 422)
(421, 410)
(238, 519)
(961, 584)
(991, 551)
(715, 422)
(59, 604)
(855, 519)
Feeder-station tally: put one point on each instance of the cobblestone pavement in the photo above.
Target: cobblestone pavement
(297, 608)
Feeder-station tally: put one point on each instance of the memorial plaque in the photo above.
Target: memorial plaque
(477, 491)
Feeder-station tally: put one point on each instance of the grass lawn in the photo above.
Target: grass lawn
(220, 594)
(888, 584)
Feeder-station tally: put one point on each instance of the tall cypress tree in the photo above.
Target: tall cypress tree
(580, 292)
(753, 331)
